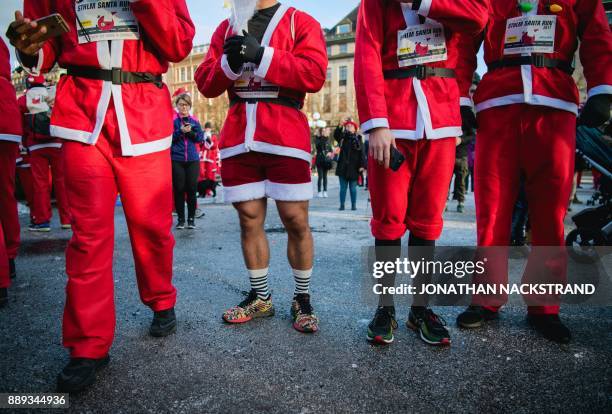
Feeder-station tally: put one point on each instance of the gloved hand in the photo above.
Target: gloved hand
(468, 120)
(232, 48)
(251, 51)
(596, 111)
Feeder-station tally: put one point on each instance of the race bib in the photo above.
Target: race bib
(249, 86)
(423, 43)
(530, 34)
(105, 20)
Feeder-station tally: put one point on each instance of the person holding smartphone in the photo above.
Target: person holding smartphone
(114, 114)
(408, 102)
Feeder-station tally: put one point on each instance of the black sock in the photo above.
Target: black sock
(420, 249)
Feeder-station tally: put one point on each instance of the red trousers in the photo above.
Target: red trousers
(538, 143)
(9, 218)
(94, 175)
(5, 280)
(41, 160)
(413, 198)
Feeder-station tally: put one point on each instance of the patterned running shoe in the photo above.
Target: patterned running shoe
(380, 330)
(250, 308)
(430, 327)
(304, 319)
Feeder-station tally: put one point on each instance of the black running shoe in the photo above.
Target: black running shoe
(475, 316)
(430, 327)
(180, 225)
(79, 374)
(191, 224)
(550, 327)
(164, 323)
(380, 330)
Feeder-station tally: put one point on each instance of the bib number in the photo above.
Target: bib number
(105, 20)
(530, 34)
(249, 86)
(423, 43)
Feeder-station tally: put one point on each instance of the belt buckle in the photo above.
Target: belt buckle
(116, 76)
(421, 72)
(537, 61)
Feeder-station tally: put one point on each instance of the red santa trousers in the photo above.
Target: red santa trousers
(41, 160)
(9, 151)
(538, 143)
(414, 197)
(94, 175)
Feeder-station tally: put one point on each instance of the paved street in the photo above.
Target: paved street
(268, 367)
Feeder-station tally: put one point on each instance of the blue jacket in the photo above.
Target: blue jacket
(184, 146)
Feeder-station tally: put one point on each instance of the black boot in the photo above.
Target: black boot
(3, 297)
(79, 374)
(550, 327)
(474, 316)
(12, 270)
(164, 323)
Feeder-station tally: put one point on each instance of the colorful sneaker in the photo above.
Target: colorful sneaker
(431, 327)
(380, 330)
(42, 227)
(304, 319)
(250, 308)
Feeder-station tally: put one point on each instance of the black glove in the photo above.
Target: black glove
(468, 120)
(596, 111)
(251, 51)
(232, 48)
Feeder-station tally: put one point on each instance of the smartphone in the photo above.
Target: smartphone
(55, 24)
(397, 159)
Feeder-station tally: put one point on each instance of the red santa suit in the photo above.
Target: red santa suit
(210, 156)
(10, 137)
(527, 104)
(265, 146)
(24, 173)
(404, 78)
(117, 127)
(45, 154)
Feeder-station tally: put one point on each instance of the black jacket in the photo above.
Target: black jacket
(322, 147)
(352, 155)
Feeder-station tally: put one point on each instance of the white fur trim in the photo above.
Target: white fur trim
(464, 101)
(48, 145)
(244, 192)
(266, 148)
(375, 123)
(535, 100)
(289, 192)
(600, 90)
(10, 138)
(71, 134)
(266, 61)
(152, 146)
(280, 13)
(225, 67)
(527, 78)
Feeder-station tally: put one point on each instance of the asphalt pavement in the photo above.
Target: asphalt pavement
(266, 366)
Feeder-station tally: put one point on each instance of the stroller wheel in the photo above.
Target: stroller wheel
(582, 244)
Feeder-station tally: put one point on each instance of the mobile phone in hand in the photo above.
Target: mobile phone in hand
(397, 159)
(55, 24)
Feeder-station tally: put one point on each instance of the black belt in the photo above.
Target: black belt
(281, 100)
(420, 72)
(539, 61)
(115, 75)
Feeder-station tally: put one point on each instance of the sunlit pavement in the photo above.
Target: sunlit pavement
(266, 366)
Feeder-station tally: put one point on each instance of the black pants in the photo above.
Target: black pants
(185, 181)
(322, 173)
(461, 172)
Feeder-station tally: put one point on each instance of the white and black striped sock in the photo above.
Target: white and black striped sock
(302, 280)
(259, 282)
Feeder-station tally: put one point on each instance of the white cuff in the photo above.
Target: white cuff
(463, 101)
(600, 90)
(228, 70)
(424, 7)
(266, 61)
(375, 123)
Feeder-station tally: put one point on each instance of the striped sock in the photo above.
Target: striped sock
(259, 282)
(302, 280)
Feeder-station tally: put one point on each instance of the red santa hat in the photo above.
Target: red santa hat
(178, 93)
(353, 123)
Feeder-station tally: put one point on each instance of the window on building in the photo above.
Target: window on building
(328, 77)
(343, 28)
(183, 75)
(343, 48)
(329, 50)
(343, 75)
(326, 103)
(342, 102)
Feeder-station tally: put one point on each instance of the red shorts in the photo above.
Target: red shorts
(256, 175)
(413, 198)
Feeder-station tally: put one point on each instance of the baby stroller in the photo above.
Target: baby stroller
(593, 224)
